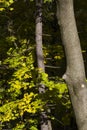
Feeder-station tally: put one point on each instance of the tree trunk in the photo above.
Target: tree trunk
(45, 122)
(75, 72)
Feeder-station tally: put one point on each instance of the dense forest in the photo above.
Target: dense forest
(43, 64)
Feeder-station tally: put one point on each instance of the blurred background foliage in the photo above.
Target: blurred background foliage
(20, 102)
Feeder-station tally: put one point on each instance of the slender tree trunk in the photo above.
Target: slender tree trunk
(45, 122)
(75, 72)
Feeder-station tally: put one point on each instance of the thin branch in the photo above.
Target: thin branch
(49, 66)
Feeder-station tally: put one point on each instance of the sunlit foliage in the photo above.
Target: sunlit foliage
(20, 101)
(22, 98)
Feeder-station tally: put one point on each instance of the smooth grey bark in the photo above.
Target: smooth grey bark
(75, 72)
(45, 122)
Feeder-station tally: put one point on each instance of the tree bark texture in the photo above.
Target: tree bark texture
(45, 122)
(75, 72)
